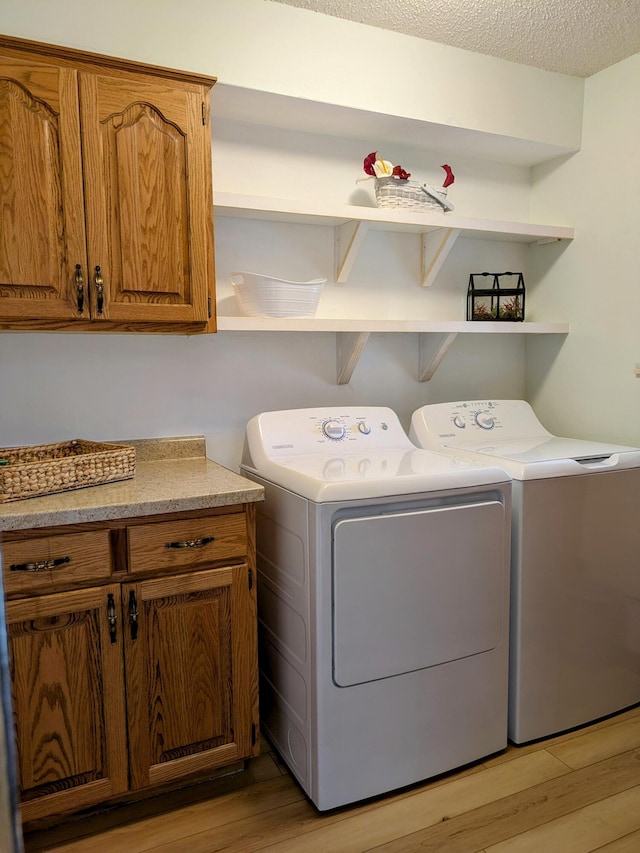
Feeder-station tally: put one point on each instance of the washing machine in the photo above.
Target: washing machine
(575, 581)
(383, 587)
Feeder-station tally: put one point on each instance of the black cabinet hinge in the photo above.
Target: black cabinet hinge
(209, 307)
(250, 578)
(254, 734)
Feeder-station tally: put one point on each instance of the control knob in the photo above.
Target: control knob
(484, 420)
(334, 430)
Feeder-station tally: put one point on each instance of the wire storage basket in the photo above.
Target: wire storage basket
(44, 469)
(394, 192)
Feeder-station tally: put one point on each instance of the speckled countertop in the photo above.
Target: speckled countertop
(172, 475)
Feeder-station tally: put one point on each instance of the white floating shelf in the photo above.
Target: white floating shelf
(321, 324)
(439, 231)
(268, 109)
(435, 337)
(382, 219)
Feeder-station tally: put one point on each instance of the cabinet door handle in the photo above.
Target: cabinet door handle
(133, 615)
(39, 565)
(112, 617)
(99, 283)
(191, 543)
(80, 288)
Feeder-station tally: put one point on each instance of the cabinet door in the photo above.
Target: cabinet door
(42, 233)
(191, 673)
(149, 208)
(68, 699)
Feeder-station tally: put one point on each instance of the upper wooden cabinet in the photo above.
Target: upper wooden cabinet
(41, 193)
(105, 193)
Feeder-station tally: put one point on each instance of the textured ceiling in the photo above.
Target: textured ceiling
(577, 37)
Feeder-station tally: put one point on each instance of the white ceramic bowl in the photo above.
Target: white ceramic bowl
(264, 296)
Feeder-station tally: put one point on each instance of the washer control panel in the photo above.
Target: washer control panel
(471, 417)
(325, 430)
(455, 424)
(337, 429)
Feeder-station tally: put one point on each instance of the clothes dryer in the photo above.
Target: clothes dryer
(575, 582)
(383, 601)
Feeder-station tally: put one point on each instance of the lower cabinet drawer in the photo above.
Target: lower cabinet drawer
(34, 565)
(187, 543)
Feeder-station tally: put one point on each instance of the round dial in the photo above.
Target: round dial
(334, 430)
(484, 420)
(458, 421)
(364, 427)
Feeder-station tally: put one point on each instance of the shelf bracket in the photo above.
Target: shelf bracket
(436, 246)
(348, 240)
(349, 346)
(432, 349)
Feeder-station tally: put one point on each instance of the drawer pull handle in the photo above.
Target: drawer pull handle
(112, 618)
(40, 565)
(191, 543)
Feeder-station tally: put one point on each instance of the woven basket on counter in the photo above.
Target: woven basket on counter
(26, 472)
(391, 192)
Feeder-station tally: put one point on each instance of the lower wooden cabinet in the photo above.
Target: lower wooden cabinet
(138, 683)
(68, 700)
(188, 673)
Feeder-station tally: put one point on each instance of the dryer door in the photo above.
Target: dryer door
(417, 588)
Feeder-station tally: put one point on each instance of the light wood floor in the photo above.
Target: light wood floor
(571, 794)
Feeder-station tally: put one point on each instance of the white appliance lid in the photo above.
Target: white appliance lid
(337, 453)
(531, 450)
(508, 433)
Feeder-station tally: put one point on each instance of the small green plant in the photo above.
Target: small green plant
(482, 312)
(511, 309)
